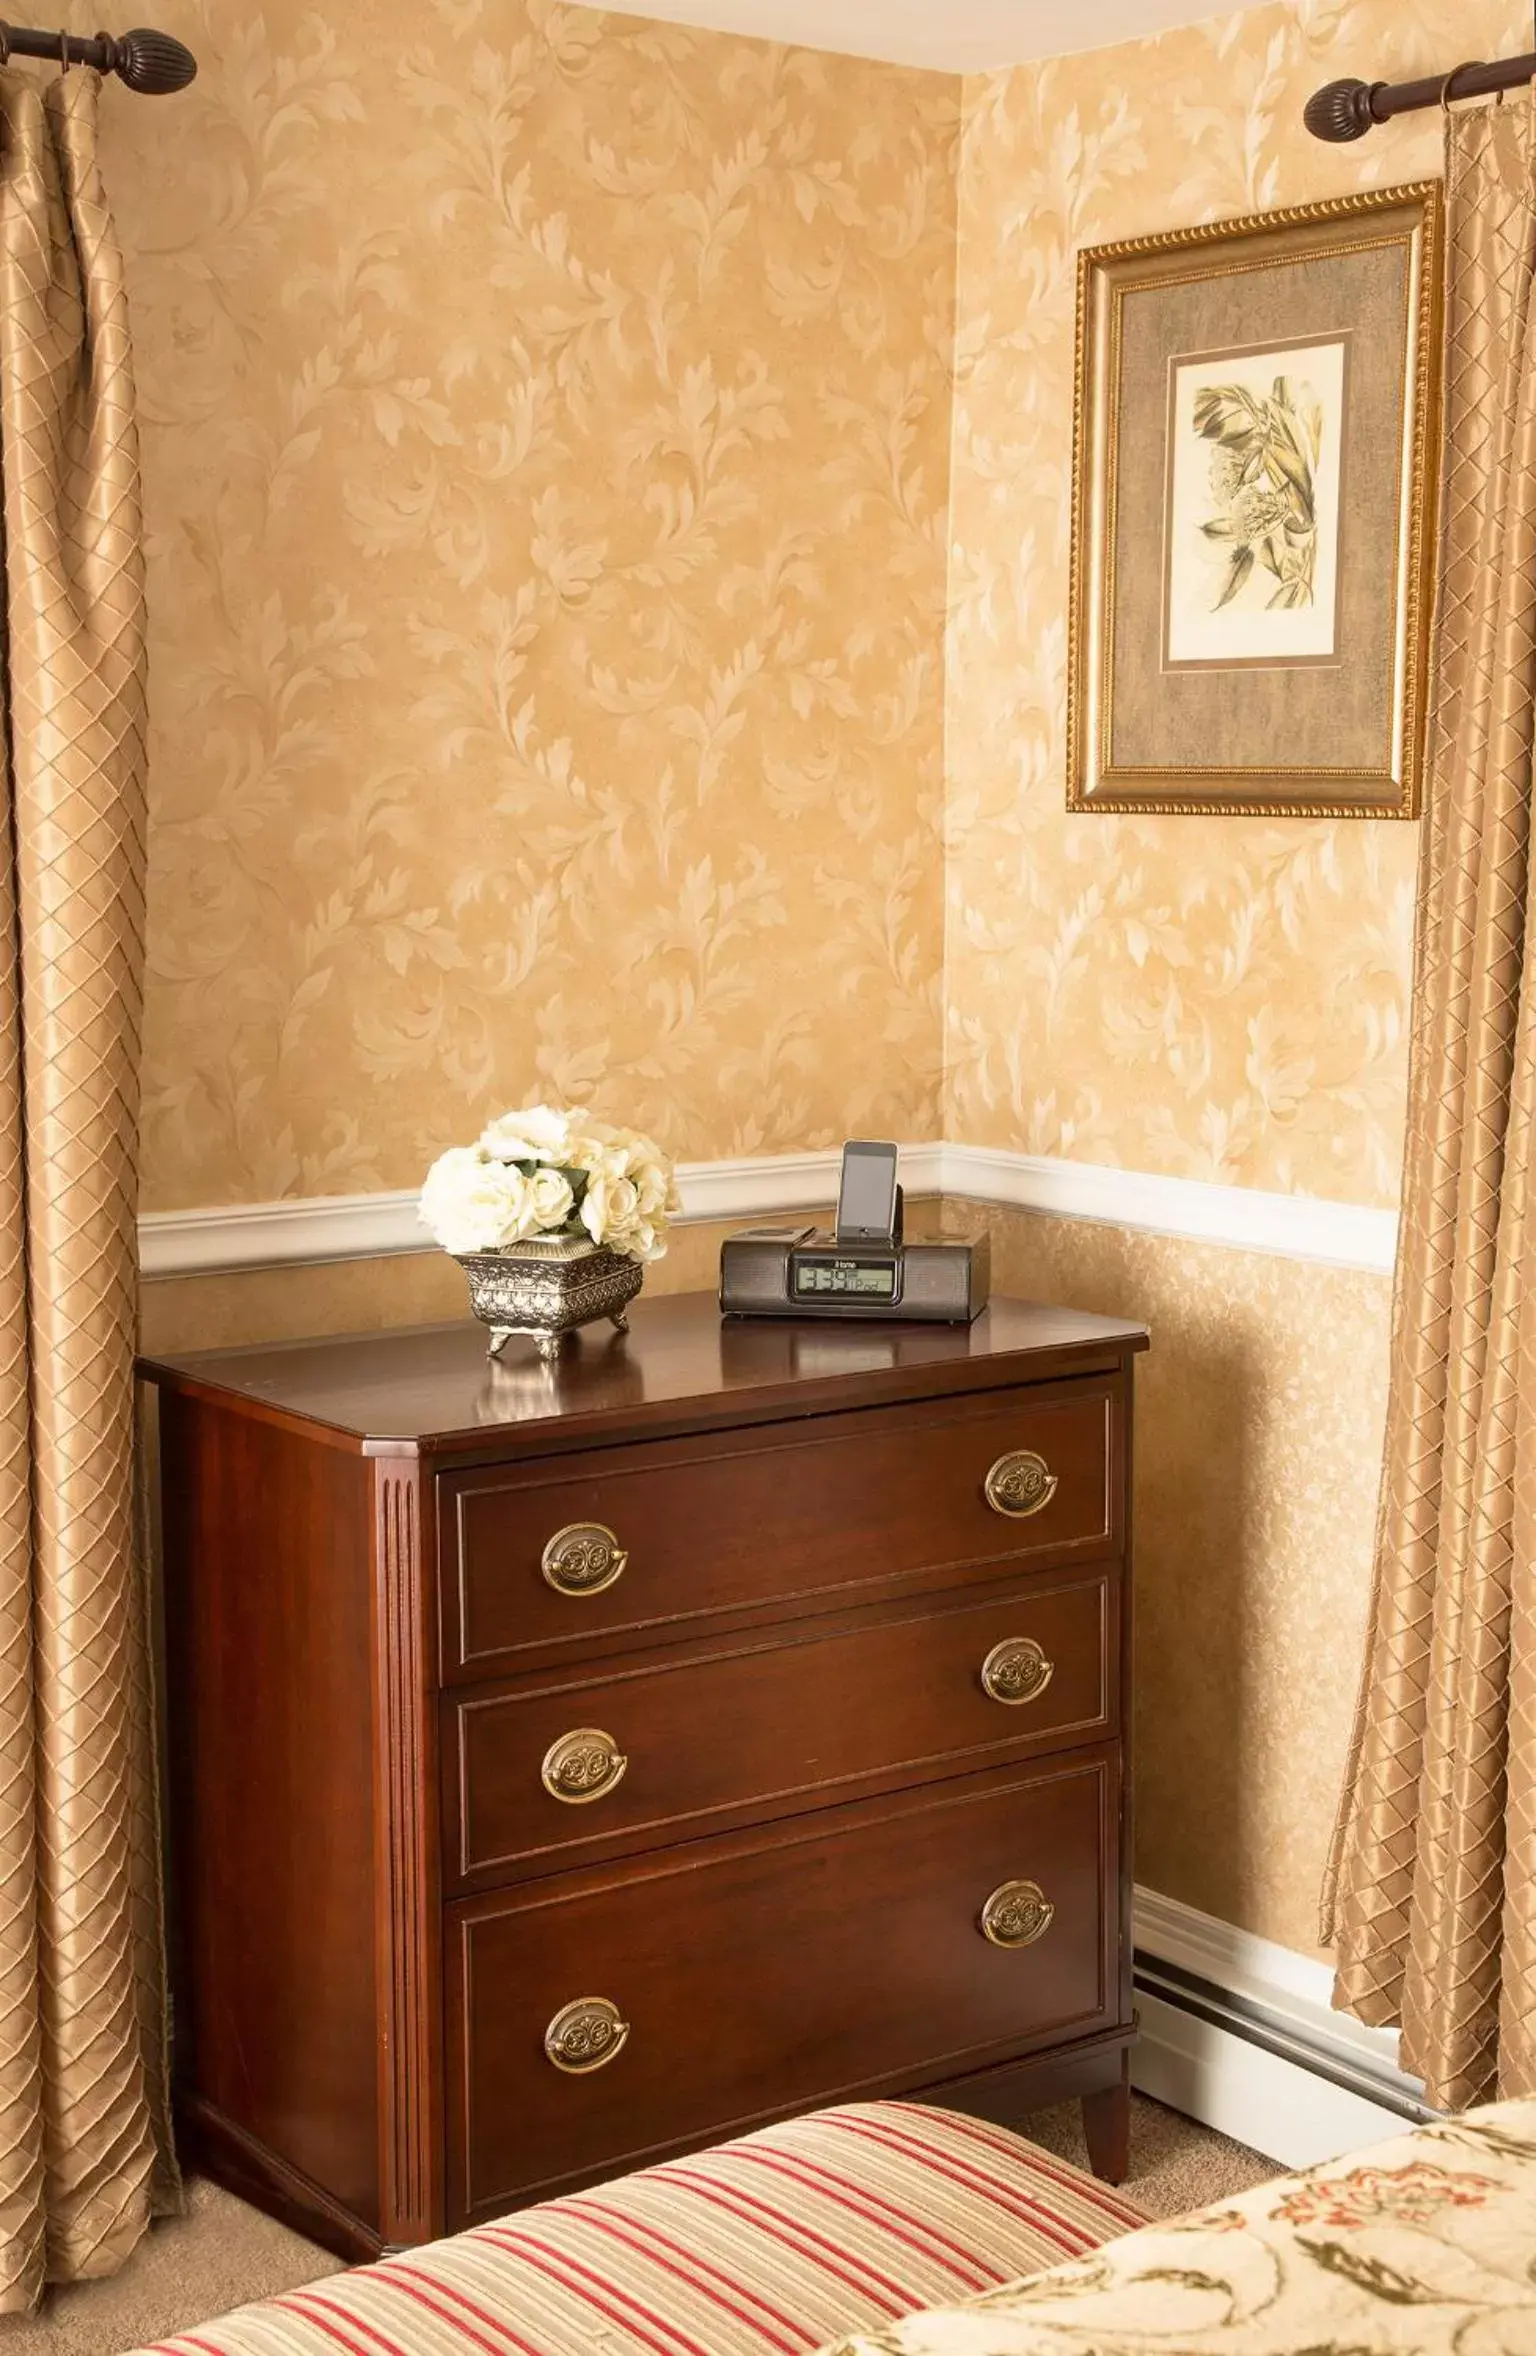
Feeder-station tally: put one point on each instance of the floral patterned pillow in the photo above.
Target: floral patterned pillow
(1423, 2247)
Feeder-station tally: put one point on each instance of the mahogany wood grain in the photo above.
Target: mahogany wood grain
(270, 1747)
(1013, 2093)
(788, 1871)
(208, 2144)
(681, 1367)
(1107, 2126)
(407, 1857)
(838, 1957)
(759, 1728)
(792, 1518)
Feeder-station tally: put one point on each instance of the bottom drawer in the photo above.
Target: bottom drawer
(606, 2017)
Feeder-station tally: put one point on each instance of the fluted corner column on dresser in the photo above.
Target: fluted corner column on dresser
(573, 1766)
(407, 1927)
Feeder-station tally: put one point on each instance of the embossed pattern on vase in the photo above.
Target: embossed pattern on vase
(527, 1292)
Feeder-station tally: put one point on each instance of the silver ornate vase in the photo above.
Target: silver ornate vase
(547, 1287)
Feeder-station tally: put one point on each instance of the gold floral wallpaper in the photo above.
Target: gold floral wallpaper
(1221, 999)
(546, 444)
(547, 424)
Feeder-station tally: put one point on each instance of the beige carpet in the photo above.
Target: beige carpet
(221, 2253)
(1175, 2165)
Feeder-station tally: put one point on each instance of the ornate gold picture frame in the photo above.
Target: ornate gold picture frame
(1254, 503)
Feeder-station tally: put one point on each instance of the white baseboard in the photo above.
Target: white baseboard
(305, 1231)
(1240, 2034)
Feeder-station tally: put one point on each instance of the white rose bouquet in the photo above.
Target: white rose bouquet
(541, 1173)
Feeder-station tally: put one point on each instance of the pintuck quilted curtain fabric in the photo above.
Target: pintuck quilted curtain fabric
(84, 2156)
(1432, 1894)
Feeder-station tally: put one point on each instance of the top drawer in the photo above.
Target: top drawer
(619, 1546)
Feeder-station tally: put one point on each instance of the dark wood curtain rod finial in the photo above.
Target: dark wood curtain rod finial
(147, 61)
(1347, 110)
(153, 62)
(1340, 112)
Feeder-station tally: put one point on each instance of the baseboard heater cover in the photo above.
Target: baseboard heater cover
(1251, 2074)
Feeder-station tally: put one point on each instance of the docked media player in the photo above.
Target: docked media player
(862, 1268)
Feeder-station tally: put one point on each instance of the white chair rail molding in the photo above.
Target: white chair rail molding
(318, 1228)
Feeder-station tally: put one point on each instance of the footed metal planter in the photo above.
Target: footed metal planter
(546, 1288)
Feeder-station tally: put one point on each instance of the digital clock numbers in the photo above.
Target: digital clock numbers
(867, 1280)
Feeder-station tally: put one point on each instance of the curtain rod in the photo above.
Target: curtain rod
(147, 61)
(1346, 110)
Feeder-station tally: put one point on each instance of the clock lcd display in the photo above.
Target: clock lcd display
(817, 1277)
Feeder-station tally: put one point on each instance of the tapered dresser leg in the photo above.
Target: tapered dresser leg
(1107, 2127)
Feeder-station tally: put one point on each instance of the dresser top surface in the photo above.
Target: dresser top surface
(435, 1387)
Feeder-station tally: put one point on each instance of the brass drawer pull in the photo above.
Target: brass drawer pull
(1016, 1915)
(583, 1559)
(582, 1766)
(1016, 1671)
(586, 2035)
(1020, 1484)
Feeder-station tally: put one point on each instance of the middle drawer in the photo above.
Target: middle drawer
(555, 1771)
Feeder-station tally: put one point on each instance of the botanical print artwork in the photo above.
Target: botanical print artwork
(1255, 442)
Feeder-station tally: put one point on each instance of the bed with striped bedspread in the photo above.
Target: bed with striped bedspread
(765, 2247)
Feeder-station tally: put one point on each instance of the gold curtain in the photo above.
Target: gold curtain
(84, 2154)
(1432, 1886)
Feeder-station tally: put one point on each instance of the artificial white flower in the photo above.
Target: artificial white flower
(473, 1203)
(537, 1134)
(610, 1210)
(549, 1194)
(476, 1198)
(589, 1149)
(653, 1177)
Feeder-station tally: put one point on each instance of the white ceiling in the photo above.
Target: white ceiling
(957, 36)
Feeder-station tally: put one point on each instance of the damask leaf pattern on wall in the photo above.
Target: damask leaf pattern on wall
(1221, 999)
(547, 424)
(548, 479)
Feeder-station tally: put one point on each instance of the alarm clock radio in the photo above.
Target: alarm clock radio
(862, 1267)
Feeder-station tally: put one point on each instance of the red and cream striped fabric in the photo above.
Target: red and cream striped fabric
(766, 2247)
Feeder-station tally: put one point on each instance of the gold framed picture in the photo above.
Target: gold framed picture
(1254, 498)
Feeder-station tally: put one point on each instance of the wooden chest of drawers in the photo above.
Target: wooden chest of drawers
(572, 1766)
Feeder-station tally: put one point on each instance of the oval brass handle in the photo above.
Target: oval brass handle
(1016, 1671)
(586, 2035)
(582, 1766)
(1019, 1484)
(1016, 1915)
(582, 1559)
